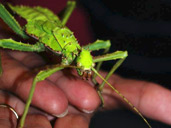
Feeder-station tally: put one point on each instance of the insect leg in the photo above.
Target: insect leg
(121, 55)
(124, 98)
(39, 77)
(97, 45)
(14, 45)
(11, 22)
(66, 13)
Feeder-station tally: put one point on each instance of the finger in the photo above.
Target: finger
(151, 99)
(37, 121)
(18, 105)
(79, 92)
(73, 121)
(155, 102)
(29, 59)
(11, 100)
(7, 118)
(17, 79)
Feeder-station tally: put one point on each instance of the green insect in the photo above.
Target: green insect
(51, 33)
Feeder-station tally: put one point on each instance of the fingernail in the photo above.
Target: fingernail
(63, 114)
(87, 111)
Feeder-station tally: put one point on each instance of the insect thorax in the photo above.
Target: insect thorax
(85, 62)
(68, 43)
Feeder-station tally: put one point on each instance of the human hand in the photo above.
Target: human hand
(142, 94)
(54, 96)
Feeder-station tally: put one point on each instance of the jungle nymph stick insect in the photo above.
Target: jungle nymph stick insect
(51, 33)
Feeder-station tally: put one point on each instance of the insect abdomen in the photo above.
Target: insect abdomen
(43, 31)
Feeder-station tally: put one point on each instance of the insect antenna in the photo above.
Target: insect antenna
(124, 98)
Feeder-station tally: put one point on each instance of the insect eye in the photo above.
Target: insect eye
(93, 64)
(78, 64)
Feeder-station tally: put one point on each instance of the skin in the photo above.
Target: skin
(147, 97)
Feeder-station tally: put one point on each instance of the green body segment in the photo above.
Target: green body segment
(43, 32)
(85, 60)
(48, 29)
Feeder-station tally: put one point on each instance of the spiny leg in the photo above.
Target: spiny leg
(97, 45)
(11, 22)
(14, 45)
(39, 77)
(66, 13)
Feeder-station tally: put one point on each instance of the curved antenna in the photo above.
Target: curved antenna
(123, 97)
